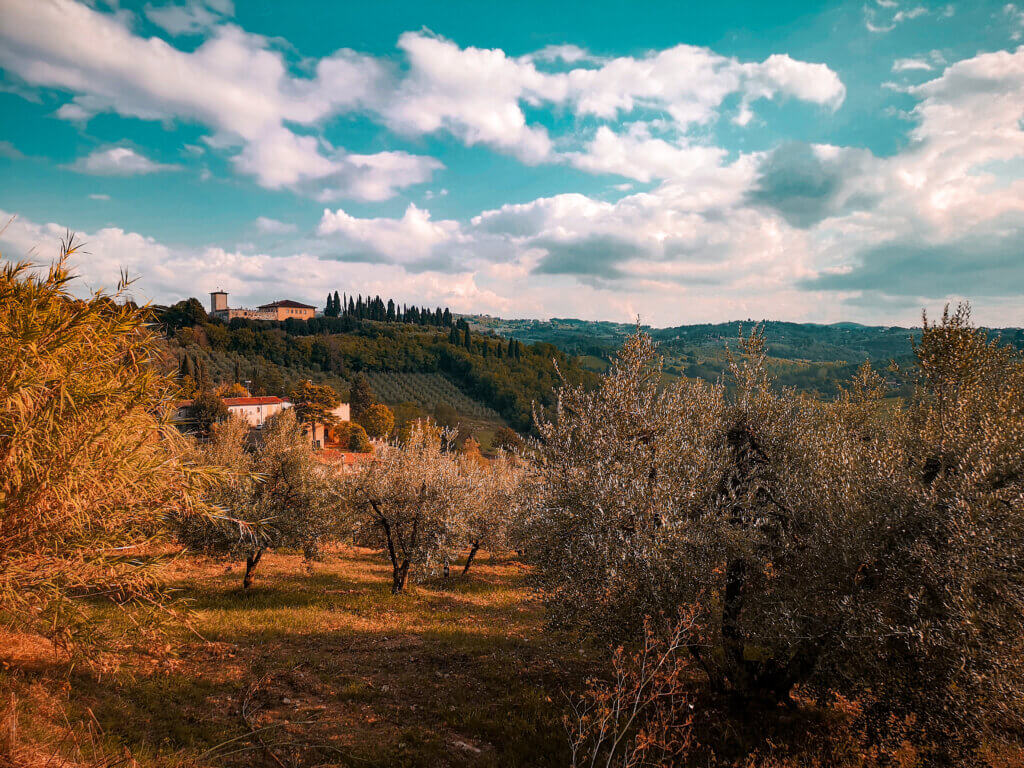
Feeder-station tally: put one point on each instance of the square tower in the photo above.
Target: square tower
(218, 301)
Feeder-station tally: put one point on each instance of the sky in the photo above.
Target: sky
(677, 162)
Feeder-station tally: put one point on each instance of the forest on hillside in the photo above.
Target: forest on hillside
(807, 356)
(503, 374)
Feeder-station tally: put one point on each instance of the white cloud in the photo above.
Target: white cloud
(909, 65)
(635, 154)
(478, 94)
(167, 273)
(247, 94)
(1015, 18)
(886, 17)
(99, 196)
(411, 238)
(252, 102)
(269, 226)
(474, 93)
(119, 161)
(193, 17)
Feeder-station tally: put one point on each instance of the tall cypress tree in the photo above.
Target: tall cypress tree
(337, 305)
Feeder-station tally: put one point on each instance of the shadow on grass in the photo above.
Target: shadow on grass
(384, 700)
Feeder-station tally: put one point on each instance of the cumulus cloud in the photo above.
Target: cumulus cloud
(251, 100)
(412, 238)
(979, 264)
(637, 155)
(808, 183)
(247, 97)
(167, 273)
(119, 161)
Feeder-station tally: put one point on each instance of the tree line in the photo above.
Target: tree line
(377, 309)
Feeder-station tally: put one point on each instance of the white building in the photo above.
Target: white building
(256, 410)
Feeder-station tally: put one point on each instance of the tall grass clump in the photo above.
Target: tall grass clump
(90, 465)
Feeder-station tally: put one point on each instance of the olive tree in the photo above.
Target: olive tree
(411, 499)
(852, 547)
(276, 484)
(490, 501)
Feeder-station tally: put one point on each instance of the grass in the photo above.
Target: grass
(335, 669)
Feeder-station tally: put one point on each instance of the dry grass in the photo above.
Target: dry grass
(325, 666)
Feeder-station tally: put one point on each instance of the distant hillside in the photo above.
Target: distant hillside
(803, 355)
(499, 379)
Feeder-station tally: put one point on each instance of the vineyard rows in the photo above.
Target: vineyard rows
(427, 390)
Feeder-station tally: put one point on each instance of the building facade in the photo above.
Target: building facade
(277, 310)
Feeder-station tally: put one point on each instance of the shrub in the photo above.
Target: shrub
(358, 442)
(378, 420)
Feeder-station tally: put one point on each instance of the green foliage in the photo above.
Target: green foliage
(378, 420)
(313, 403)
(184, 314)
(426, 391)
(331, 349)
(358, 440)
(206, 410)
(446, 416)
(361, 396)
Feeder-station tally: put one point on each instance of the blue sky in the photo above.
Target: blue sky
(684, 162)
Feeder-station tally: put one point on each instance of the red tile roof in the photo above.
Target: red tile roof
(229, 401)
(286, 303)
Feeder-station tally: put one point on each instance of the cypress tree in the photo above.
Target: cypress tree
(453, 336)
(467, 341)
(337, 305)
(446, 318)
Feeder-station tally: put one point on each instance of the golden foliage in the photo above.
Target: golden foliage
(89, 461)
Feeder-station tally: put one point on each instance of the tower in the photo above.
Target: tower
(218, 301)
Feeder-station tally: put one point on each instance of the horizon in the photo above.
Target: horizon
(837, 162)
